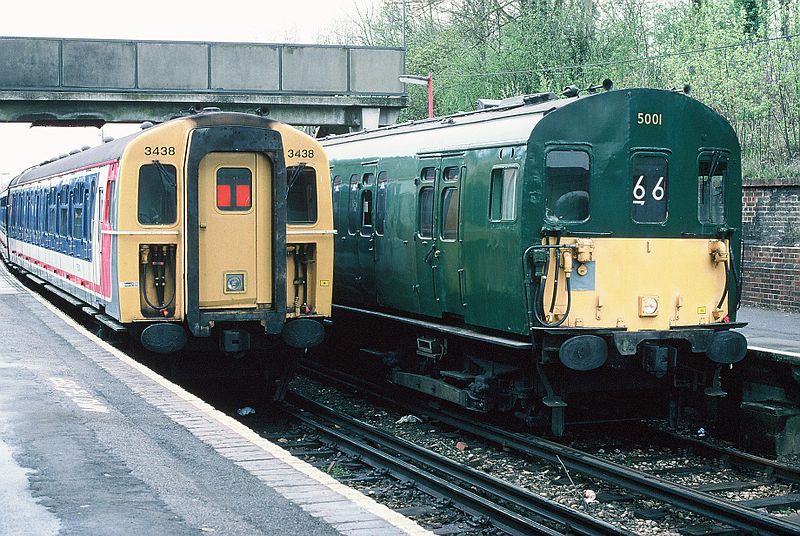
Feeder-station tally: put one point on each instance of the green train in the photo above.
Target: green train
(515, 258)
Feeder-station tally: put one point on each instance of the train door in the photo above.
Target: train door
(106, 230)
(449, 272)
(425, 238)
(367, 237)
(234, 215)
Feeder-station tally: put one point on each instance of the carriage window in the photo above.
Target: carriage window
(567, 183)
(380, 203)
(711, 176)
(301, 198)
(352, 205)
(51, 211)
(158, 194)
(426, 197)
(337, 186)
(449, 215)
(77, 212)
(234, 189)
(63, 220)
(428, 174)
(649, 188)
(502, 197)
(367, 204)
(451, 174)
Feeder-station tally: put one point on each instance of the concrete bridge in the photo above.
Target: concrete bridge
(51, 81)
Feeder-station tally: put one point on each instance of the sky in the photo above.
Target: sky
(265, 21)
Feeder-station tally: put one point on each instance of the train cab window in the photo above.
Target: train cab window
(428, 174)
(503, 194)
(158, 194)
(567, 185)
(380, 203)
(649, 188)
(711, 177)
(353, 204)
(426, 202)
(234, 189)
(449, 214)
(301, 198)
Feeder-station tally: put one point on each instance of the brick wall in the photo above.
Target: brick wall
(771, 228)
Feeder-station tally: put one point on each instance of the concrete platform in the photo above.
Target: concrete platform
(771, 331)
(92, 442)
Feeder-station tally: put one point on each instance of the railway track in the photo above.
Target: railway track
(718, 511)
(512, 509)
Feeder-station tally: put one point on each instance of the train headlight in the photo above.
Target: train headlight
(648, 305)
(234, 282)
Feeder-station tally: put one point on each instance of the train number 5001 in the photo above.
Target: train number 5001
(648, 119)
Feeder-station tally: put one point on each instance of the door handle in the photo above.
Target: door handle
(430, 253)
(203, 225)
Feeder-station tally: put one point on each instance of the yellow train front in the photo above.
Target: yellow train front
(211, 225)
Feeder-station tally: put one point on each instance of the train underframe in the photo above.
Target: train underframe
(639, 375)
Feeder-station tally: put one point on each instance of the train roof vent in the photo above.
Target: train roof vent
(519, 100)
(210, 109)
(85, 148)
(74, 151)
(108, 139)
(146, 125)
(536, 98)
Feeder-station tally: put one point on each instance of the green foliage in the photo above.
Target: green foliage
(730, 51)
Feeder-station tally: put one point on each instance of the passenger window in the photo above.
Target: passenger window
(301, 199)
(63, 222)
(51, 211)
(426, 198)
(711, 178)
(337, 186)
(77, 212)
(380, 204)
(567, 185)
(449, 215)
(367, 204)
(451, 174)
(649, 188)
(428, 174)
(503, 194)
(234, 189)
(352, 200)
(112, 203)
(158, 194)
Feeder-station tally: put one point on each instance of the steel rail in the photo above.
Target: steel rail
(532, 504)
(775, 469)
(502, 518)
(731, 514)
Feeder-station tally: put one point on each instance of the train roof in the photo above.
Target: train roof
(512, 123)
(112, 150)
